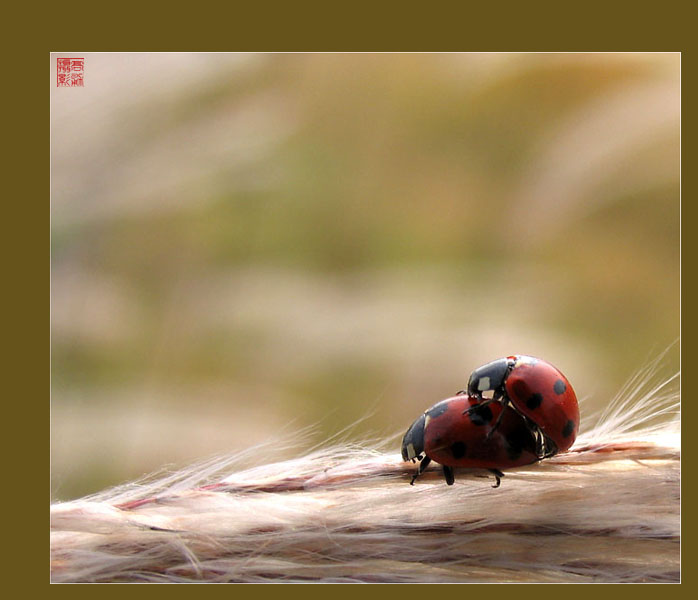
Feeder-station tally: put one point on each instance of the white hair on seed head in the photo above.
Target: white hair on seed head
(607, 510)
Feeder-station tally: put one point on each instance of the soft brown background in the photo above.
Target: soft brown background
(244, 245)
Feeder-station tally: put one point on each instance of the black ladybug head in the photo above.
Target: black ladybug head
(489, 377)
(413, 442)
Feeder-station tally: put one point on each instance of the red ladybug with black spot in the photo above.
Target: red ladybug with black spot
(460, 432)
(536, 390)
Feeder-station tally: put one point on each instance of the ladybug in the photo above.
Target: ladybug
(536, 390)
(460, 432)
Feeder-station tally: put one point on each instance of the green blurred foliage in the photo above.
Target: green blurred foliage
(364, 231)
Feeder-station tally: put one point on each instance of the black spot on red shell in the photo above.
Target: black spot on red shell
(458, 449)
(559, 387)
(534, 401)
(519, 440)
(516, 441)
(480, 415)
(568, 428)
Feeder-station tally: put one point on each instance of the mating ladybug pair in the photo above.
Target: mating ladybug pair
(531, 415)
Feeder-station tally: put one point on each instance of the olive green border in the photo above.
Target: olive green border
(385, 26)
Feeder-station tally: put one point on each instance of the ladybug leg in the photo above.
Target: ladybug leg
(545, 447)
(540, 442)
(497, 395)
(448, 474)
(504, 402)
(422, 465)
(494, 427)
(480, 405)
(498, 476)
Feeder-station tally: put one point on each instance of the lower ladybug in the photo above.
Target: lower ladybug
(460, 432)
(536, 390)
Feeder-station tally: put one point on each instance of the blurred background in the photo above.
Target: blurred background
(244, 245)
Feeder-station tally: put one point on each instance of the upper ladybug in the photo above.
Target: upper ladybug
(535, 389)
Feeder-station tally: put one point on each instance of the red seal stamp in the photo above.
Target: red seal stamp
(71, 72)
